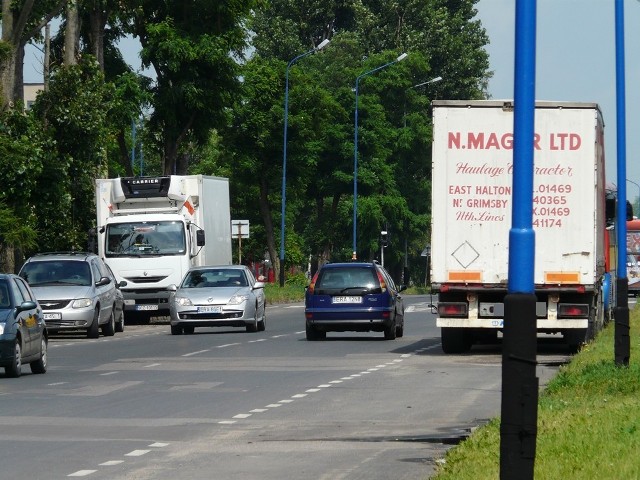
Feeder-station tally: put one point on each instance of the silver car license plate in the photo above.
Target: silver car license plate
(210, 309)
(51, 316)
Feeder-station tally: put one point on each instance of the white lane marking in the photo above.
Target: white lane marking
(301, 331)
(406, 355)
(373, 370)
(346, 378)
(299, 395)
(397, 360)
(273, 405)
(227, 422)
(288, 400)
(256, 341)
(56, 384)
(136, 453)
(111, 463)
(380, 366)
(242, 415)
(159, 444)
(195, 353)
(356, 375)
(335, 381)
(108, 373)
(258, 410)
(277, 336)
(295, 306)
(152, 365)
(312, 390)
(364, 372)
(324, 385)
(82, 473)
(228, 345)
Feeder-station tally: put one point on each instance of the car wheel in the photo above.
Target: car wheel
(313, 334)
(188, 330)
(120, 324)
(253, 326)
(15, 369)
(40, 365)
(92, 331)
(390, 331)
(400, 327)
(176, 330)
(262, 324)
(109, 328)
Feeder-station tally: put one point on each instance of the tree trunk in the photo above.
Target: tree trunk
(71, 34)
(97, 23)
(265, 213)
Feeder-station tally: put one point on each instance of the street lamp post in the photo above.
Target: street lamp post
(320, 46)
(428, 82)
(355, 150)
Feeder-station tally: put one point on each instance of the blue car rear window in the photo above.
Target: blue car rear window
(348, 279)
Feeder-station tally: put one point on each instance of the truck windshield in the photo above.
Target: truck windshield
(145, 238)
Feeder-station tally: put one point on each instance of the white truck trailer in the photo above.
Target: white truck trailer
(151, 230)
(472, 180)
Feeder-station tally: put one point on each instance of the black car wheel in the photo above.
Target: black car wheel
(176, 330)
(390, 331)
(313, 334)
(40, 365)
(93, 330)
(15, 369)
(262, 324)
(120, 323)
(253, 327)
(109, 328)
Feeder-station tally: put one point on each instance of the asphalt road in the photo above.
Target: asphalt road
(226, 404)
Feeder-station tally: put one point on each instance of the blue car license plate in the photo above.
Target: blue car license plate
(346, 299)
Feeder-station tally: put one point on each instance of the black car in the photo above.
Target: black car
(23, 333)
(354, 296)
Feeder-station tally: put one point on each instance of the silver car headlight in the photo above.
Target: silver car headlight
(238, 299)
(2, 328)
(81, 303)
(183, 301)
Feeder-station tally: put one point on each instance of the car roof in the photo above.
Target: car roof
(80, 256)
(216, 267)
(348, 264)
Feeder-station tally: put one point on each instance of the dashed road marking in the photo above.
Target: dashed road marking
(82, 473)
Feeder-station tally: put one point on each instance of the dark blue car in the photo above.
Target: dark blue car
(358, 297)
(23, 333)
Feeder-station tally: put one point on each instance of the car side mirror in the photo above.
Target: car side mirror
(103, 281)
(28, 305)
(172, 288)
(122, 283)
(258, 285)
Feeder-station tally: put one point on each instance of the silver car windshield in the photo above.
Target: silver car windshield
(209, 278)
(145, 238)
(57, 272)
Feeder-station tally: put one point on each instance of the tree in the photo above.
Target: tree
(193, 48)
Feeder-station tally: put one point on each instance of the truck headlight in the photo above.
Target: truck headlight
(81, 303)
(183, 301)
(238, 299)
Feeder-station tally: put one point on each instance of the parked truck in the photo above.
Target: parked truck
(472, 178)
(150, 230)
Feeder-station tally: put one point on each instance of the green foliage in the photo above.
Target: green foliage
(587, 416)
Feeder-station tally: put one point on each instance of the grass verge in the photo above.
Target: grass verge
(588, 421)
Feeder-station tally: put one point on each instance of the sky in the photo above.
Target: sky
(575, 61)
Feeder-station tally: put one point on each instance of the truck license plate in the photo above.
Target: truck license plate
(146, 307)
(347, 299)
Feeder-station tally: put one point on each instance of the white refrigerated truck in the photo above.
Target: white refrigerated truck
(472, 177)
(150, 230)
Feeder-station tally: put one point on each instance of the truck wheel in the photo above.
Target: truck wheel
(15, 369)
(575, 338)
(40, 365)
(455, 340)
(93, 330)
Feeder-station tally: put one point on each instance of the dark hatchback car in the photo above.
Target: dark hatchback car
(359, 297)
(23, 333)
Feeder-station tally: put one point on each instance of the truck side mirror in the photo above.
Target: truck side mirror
(200, 238)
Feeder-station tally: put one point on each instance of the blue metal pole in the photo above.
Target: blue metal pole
(518, 423)
(355, 153)
(622, 347)
(284, 154)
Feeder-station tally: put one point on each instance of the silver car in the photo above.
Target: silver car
(76, 291)
(218, 296)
